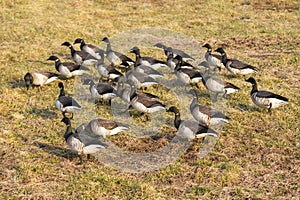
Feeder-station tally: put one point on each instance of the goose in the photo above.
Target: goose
(218, 86)
(190, 129)
(93, 50)
(185, 56)
(108, 71)
(77, 145)
(68, 69)
(66, 104)
(145, 68)
(144, 103)
(185, 75)
(100, 91)
(81, 57)
(171, 61)
(140, 79)
(102, 127)
(124, 92)
(213, 59)
(115, 57)
(207, 114)
(148, 70)
(236, 67)
(39, 78)
(265, 99)
(147, 60)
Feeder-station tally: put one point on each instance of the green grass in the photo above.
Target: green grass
(256, 156)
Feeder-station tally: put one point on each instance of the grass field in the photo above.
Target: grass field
(257, 155)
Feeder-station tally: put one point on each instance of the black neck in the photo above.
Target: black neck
(224, 58)
(82, 45)
(57, 63)
(62, 92)
(68, 132)
(91, 84)
(137, 59)
(108, 47)
(254, 88)
(177, 120)
(194, 102)
(73, 51)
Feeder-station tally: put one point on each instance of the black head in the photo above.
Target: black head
(67, 44)
(173, 109)
(105, 39)
(60, 85)
(53, 58)
(88, 82)
(66, 120)
(220, 50)
(207, 46)
(251, 80)
(28, 78)
(135, 50)
(160, 45)
(78, 40)
(169, 49)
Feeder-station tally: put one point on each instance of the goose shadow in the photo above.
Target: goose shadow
(229, 76)
(244, 107)
(19, 83)
(57, 151)
(44, 113)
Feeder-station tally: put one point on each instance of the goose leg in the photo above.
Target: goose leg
(225, 94)
(80, 161)
(214, 97)
(147, 117)
(269, 109)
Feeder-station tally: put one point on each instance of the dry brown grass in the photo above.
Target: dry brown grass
(257, 155)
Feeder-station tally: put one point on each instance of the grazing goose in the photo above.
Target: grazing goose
(81, 57)
(185, 75)
(235, 66)
(145, 68)
(108, 71)
(38, 78)
(172, 61)
(265, 99)
(144, 103)
(213, 59)
(124, 92)
(76, 143)
(66, 104)
(207, 114)
(115, 57)
(147, 60)
(185, 56)
(140, 79)
(217, 86)
(102, 127)
(101, 91)
(148, 70)
(190, 129)
(93, 50)
(68, 69)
